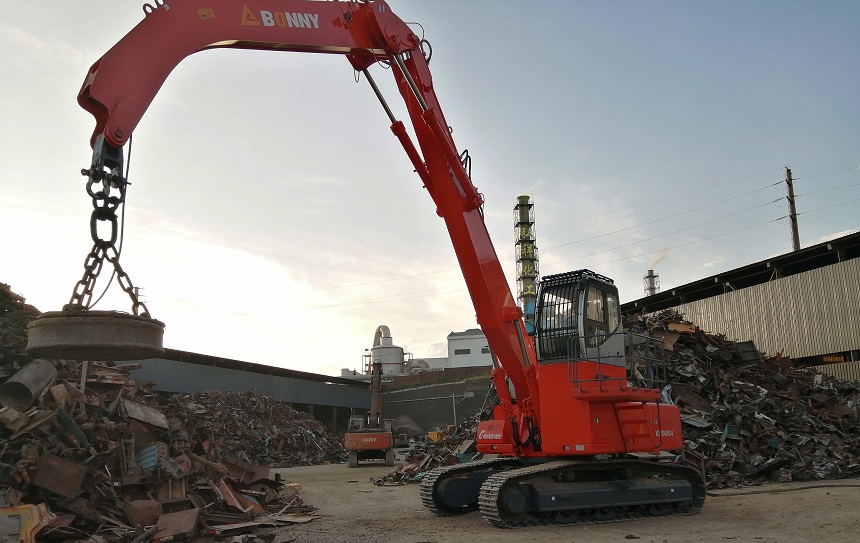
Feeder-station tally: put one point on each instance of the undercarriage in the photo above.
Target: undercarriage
(511, 492)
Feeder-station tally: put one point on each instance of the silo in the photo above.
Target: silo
(384, 351)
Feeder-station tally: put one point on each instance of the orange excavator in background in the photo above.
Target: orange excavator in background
(583, 415)
(370, 437)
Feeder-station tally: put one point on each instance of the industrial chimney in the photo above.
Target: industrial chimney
(652, 283)
(527, 257)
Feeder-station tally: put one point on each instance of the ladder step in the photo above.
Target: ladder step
(634, 425)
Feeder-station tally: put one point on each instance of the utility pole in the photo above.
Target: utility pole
(792, 211)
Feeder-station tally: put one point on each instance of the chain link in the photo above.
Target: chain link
(83, 292)
(106, 169)
(124, 280)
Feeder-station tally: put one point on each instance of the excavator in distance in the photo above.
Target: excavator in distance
(582, 415)
(370, 437)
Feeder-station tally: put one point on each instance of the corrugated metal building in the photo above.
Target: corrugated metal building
(804, 304)
(330, 400)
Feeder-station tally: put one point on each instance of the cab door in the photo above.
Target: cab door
(600, 324)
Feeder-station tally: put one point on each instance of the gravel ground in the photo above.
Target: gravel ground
(355, 510)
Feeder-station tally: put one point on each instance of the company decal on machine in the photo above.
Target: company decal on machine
(368, 440)
(665, 433)
(280, 18)
(483, 434)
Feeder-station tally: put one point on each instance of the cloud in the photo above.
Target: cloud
(713, 263)
(54, 52)
(24, 39)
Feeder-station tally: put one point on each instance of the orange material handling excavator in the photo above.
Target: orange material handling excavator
(371, 437)
(583, 415)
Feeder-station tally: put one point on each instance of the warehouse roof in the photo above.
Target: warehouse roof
(468, 333)
(219, 362)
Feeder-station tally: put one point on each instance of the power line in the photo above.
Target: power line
(721, 235)
(680, 245)
(687, 228)
(828, 190)
(599, 215)
(696, 209)
(676, 195)
(829, 207)
(665, 218)
(828, 173)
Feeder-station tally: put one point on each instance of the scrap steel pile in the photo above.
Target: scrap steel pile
(750, 417)
(257, 428)
(84, 450)
(103, 455)
(14, 316)
(457, 445)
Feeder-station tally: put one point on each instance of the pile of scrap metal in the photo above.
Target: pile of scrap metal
(750, 417)
(15, 313)
(85, 452)
(457, 445)
(256, 428)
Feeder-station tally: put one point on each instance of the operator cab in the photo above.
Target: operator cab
(578, 318)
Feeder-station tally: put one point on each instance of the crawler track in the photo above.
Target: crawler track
(495, 485)
(431, 480)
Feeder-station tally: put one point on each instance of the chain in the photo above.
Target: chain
(83, 291)
(124, 280)
(106, 170)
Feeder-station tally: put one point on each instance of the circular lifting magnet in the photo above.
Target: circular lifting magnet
(94, 335)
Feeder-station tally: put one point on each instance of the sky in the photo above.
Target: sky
(273, 218)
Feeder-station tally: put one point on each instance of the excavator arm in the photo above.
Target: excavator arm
(120, 86)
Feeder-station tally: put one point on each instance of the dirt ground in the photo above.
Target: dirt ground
(353, 509)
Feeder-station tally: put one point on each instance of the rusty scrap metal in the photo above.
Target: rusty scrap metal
(146, 535)
(136, 465)
(21, 523)
(59, 475)
(749, 417)
(28, 383)
(15, 313)
(105, 454)
(255, 428)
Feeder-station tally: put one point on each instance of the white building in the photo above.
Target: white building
(469, 348)
(465, 349)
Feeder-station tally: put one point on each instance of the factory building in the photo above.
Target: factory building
(465, 349)
(468, 349)
(804, 304)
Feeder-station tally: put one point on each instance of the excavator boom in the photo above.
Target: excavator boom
(120, 86)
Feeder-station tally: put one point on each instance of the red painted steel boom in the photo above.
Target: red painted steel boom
(120, 86)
